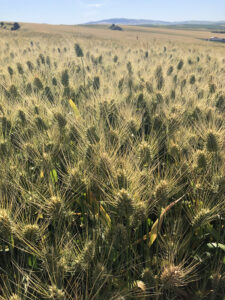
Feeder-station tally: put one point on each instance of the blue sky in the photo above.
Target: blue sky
(80, 11)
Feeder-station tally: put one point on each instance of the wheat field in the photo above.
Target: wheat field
(112, 164)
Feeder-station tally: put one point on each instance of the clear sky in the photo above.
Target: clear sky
(80, 11)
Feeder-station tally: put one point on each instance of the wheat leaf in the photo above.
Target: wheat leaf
(75, 109)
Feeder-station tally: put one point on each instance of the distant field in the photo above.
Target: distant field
(191, 34)
(198, 27)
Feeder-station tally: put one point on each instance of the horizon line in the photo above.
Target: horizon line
(124, 18)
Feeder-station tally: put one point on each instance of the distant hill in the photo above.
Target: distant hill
(124, 21)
